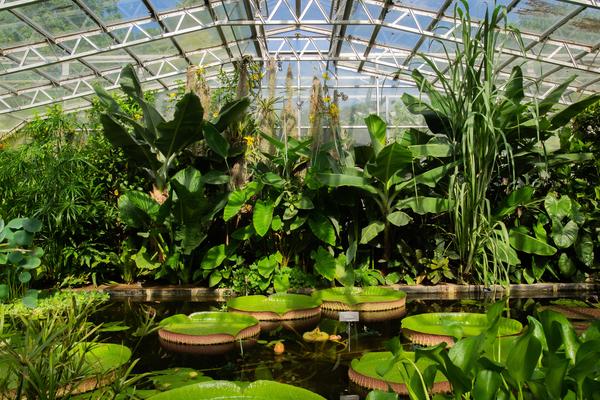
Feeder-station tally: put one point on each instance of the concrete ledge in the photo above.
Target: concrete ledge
(138, 292)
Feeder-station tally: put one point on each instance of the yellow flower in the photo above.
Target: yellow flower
(200, 71)
(325, 75)
(116, 192)
(249, 141)
(172, 95)
(215, 114)
(255, 77)
(334, 110)
(326, 99)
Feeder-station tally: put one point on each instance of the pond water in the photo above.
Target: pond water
(319, 367)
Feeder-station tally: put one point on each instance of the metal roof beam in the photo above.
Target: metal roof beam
(339, 32)
(382, 14)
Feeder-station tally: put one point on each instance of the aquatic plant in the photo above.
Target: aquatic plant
(257, 390)
(432, 328)
(366, 372)
(278, 306)
(207, 328)
(370, 298)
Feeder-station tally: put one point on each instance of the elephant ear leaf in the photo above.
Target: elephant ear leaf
(137, 209)
(520, 240)
(184, 129)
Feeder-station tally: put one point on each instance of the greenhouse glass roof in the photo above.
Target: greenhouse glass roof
(54, 51)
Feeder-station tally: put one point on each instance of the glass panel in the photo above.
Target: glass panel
(23, 80)
(584, 28)
(59, 17)
(116, 11)
(199, 40)
(15, 32)
(536, 16)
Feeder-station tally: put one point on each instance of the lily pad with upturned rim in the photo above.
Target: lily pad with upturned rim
(277, 307)
(221, 390)
(371, 298)
(206, 328)
(364, 373)
(433, 328)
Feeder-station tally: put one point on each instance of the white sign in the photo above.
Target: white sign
(349, 397)
(349, 316)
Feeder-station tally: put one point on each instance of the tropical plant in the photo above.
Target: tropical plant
(548, 361)
(19, 258)
(55, 355)
(279, 306)
(259, 390)
(492, 132)
(388, 178)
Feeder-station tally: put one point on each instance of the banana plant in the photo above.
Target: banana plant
(389, 179)
(156, 143)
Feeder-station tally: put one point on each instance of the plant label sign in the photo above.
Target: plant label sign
(349, 397)
(349, 316)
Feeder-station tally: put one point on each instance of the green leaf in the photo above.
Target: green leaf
(235, 202)
(24, 277)
(120, 137)
(184, 129)
(214, 278)
(377, 131)
(558, 208)
(371, 231)
(514, 86)
(391, 160)
(231, 113)
(262, 216)
(584, 248)
(30, 299)
(322, 228)
(215, 178)
(32, 225)
(380, 395)
(337, 180)
(273, 179)
(138, 209)
(30, 262)
(243, 233)
(566, 265)
(281, 282)
(214, 257)
(422, 205)
(554, 96)
(399, 218)
(436, 150)
(216, 141)
(523, 357)
(4, 292)
(564, 236)
(563, 117)
(486, 385)
(325, 263)
(520, 240)
(518, 198)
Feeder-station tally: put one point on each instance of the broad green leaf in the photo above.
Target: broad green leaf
(558, 208)
(392, 159)
(281, 282)
(184, 129)
(520, 240)
(377, 131)
(564, 236)
(273, 179)
(216, 141)
(514, 86)
(554, 96)
(262, 216)
(235, 202)
(436, 150)
(337, 180)
(322, 228)
(214, 257)
(32, 225)
(486, 385)
(559, 333)
(215, 178)
(369, 232)
(24, 277)
(566, 265)
(231, 113)
(214, 278)
(4, 291)
(523, 357)
(517, 198)
(120, 137)
(325, 263)
(138, 209)
(584, 248)
(563, 117)
(399, 218)
(423, 205)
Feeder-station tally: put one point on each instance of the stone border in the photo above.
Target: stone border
(422, 292)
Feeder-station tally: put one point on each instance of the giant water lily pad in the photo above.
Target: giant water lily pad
(277, 307)
(433, 328)
(371, 298)
(364, 372)
(207, 328)
(221, 390)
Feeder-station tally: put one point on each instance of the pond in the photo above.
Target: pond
(320, 367)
